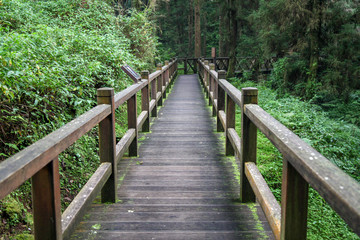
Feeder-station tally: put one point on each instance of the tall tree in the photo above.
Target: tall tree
(197, 7)
(233, 36)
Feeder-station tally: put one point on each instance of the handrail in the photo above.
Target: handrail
(40, 160)
(302, 164)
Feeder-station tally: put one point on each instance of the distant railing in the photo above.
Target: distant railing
(40, 160)
(242, 64)
(302, 164)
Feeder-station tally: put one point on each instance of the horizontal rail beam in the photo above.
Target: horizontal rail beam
(124, 143)
(232, 91)
(234, 139)
(126, 94)
(75, 211)
(23, 165)
(265, 197)
(340, 190)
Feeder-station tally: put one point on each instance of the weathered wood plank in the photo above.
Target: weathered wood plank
(265, 197)
(336, 187)
(141, 119)
(234, 139)
(77, 208)
(124, 143)
(232, 91)
(17, 169)
(127, 93)
(222, 117)
(133, 123)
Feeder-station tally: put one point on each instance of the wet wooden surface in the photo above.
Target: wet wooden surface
(181, 186)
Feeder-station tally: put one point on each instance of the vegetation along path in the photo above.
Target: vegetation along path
(181, 186)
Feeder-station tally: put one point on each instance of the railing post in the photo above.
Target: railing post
(132, 123)
(220, 102)
(185, 66)
(294, 203)
(159, 84)
(167, 75)
(211, 85)
(145, 106)
(248, 143)
(163, 77)
(214, 89)
(206, 78)
(107, 144)
(230, 123)
(46, 202)
(153, 97)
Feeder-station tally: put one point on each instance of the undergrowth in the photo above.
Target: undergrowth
(337, 140)
(53, 57)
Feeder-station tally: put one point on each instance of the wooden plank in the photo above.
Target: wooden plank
(152, 105)
(141, 119)
(230, 123)
(17, 169)
(77, 208)
(222, 117)
(340, 190)
(127, 93)
(47, 202)
(234, 139)
(265, 197)
(124, 143)
(107, 144)
(294, 204)
(158, 97)
(220, 125)
(232, 91)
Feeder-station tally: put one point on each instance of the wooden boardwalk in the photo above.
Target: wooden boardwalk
(181, 186)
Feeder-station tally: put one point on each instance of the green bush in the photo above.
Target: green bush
(53, 57)
(335, 139)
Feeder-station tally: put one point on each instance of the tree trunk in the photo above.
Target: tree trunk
(191, 29)
(197, 28)
(233, 38)
(315, 33)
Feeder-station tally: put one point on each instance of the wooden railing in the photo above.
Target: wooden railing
(302, 164)
(40, 160)
(222, 63)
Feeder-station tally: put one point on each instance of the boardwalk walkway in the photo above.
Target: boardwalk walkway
(181, 186)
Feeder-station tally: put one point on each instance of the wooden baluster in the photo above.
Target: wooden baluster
(167, 75)
(159, 84)
(145, 106)
(206, 79)
(221, 101)
(214, 89)
(132, 123)
(163, 78)
(107, 143)
(185, 66)
(294, 203)
(230, 123)
(153, 97)
(248, 143)
(46, 202)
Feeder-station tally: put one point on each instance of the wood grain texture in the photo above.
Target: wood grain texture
(336, 187)
(265, 197)
(17, 169)
(77, 208)
(124, 143)
(181, 186)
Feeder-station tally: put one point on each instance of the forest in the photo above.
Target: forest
(55, 54)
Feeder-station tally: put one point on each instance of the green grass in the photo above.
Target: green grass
(335, 139)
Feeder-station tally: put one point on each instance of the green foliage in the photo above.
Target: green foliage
(336, 140)
(53, 57)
